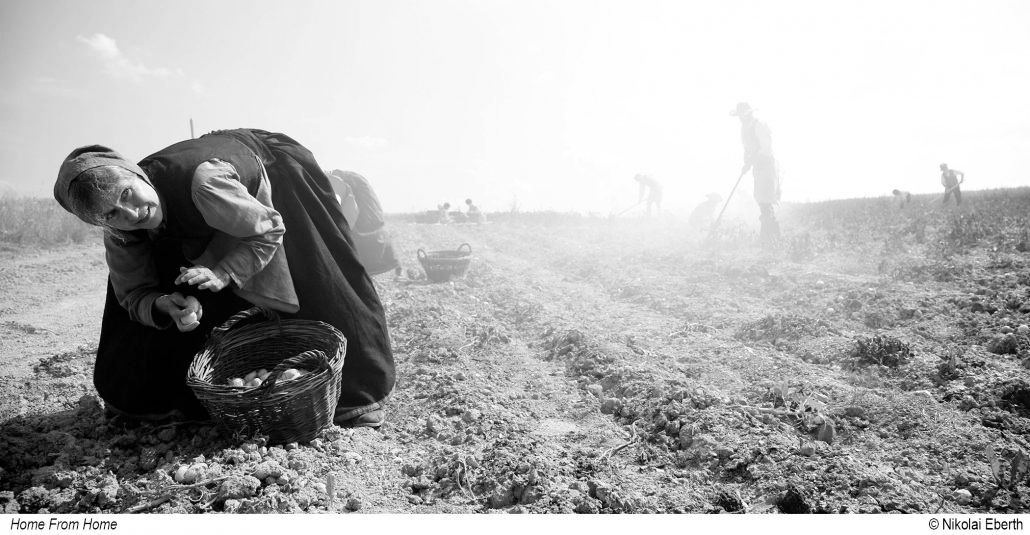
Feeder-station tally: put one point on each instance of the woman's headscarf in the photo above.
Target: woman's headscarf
(86, 158)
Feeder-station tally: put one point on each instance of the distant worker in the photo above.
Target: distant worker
(901, 198)
(951, 179)
(364, 214)
(653, 188)
(443, 212)
(758, 158)
(704, 213)
(474, 215)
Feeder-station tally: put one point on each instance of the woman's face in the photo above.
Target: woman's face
(134, 205)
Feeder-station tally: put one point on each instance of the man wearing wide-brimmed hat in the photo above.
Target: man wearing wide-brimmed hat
(758, 158)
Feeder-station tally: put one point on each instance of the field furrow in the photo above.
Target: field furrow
(594, 365)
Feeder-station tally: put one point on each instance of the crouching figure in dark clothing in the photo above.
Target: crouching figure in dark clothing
(364, 214)
(203, 229)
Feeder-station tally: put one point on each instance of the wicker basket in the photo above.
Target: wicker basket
(442, 266)
(293, 411)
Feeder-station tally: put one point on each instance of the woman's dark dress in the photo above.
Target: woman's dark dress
(141, 370)
(371, 240)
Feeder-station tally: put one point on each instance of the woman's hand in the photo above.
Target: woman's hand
(203, 278)
(185, 311)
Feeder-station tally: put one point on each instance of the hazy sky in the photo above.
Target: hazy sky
(554, 104)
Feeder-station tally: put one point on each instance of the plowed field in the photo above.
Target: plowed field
(876, 362)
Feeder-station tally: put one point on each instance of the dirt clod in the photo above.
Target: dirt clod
(238, 487)
(1003, 344)
(794, 501)
(729, 500)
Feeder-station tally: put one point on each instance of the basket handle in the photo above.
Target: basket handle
(313, 360)
(421, 254)
(242, 316)
(466, 246)
(247, 315)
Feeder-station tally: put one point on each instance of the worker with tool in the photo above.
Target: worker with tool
(653, 188)
(950, 179)
(758, 158)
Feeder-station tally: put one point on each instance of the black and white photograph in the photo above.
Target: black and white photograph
(446, 259)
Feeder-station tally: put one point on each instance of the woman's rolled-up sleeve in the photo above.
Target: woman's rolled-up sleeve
(227, 206)
(134, 277)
